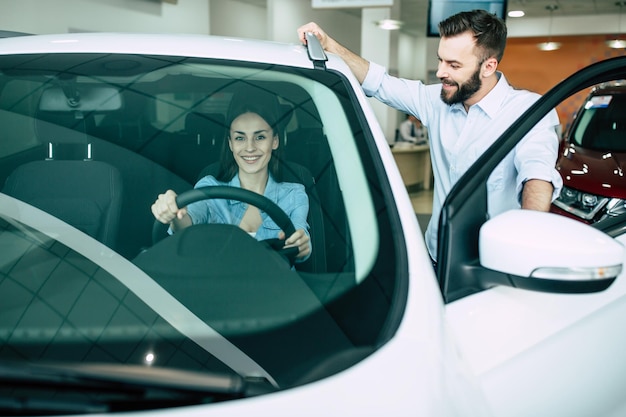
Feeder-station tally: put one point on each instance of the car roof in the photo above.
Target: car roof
(193, 45)
(613, 87)
(11, 34)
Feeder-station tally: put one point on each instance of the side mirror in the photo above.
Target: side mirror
(547, 252)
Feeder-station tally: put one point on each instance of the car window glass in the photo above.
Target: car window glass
(18, 98)
(602, 123)
(156, 123)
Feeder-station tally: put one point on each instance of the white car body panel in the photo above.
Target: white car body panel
(508, 336)
(158, 44)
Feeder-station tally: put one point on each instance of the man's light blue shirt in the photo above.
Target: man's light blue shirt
(291, 197)
(459, 137)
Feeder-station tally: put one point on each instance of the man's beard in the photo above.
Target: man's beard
(464, 91)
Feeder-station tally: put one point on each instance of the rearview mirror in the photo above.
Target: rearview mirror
(85, 98)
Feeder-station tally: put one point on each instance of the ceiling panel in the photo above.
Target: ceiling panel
(414, 12)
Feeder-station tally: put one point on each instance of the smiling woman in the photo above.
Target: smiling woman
(247, 161)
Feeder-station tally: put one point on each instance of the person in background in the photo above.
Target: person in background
(465, 113)
(411, 130)
(246, 162)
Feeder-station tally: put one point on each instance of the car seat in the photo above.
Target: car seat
(199, 144)
(68, 184)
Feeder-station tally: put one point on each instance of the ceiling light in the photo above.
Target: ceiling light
(618, 43)
(516, 13)
(389, 24)
(549, 45)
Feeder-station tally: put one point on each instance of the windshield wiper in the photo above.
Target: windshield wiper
(27, 389)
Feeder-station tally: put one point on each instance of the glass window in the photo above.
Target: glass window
(602, 124)
(157, 123)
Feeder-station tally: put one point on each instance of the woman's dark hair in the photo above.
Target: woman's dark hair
(488, 29)
(250, 101)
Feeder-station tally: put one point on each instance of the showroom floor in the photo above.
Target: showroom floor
(422, 204)
(422, 201)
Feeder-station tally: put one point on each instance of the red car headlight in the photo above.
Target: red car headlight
(581, 204)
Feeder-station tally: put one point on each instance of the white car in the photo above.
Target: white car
(101, 311)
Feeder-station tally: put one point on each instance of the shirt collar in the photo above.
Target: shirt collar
(271, 188)
(492, 101)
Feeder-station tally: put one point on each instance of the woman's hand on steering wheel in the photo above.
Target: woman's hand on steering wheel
(299, 239)
(166, 210)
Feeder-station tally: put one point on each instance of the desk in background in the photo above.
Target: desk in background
(414, 164)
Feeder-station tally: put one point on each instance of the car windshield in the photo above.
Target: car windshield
(601, 125)
(88, 142)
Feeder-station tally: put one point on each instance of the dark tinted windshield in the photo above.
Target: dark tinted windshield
(108, 133)
(602, 123)
(58, 305)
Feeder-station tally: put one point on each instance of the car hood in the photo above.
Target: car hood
(597, 172)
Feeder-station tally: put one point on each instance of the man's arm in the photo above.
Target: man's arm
(359, 66)
(537, 195)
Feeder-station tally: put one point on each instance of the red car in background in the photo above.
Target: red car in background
(593, 157)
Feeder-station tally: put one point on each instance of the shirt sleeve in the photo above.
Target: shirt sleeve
(537, 153)
(408, 96)
(373, 79)
(299, 211)
(200, 211)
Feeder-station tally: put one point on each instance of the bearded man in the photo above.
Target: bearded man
(465, 113)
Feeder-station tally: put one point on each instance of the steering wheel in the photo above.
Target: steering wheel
(282, 220)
